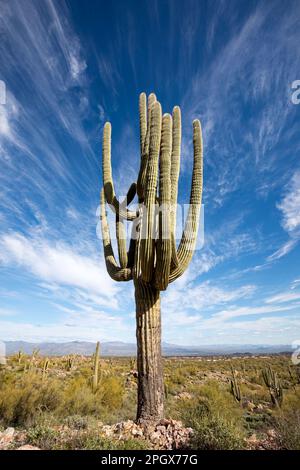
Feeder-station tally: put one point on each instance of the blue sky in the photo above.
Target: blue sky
(69, 67)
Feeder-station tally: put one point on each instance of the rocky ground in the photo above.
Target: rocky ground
(167, 434)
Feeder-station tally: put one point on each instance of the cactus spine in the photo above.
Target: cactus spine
(96, 368)
(274, 386)
(153, 260)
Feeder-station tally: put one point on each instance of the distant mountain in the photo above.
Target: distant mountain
(118, 348)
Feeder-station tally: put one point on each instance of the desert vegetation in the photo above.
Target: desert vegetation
(74, 402)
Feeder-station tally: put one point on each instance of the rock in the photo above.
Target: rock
(155, 437)
(272, 433)
(6, 437)
(167, 434)
(165, 422)
(28, 447)
(137, 432)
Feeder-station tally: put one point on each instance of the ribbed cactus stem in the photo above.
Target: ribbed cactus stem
(188, 240)
(96, 368)
(234, 387)
(148, 239)
(145, 127)
(116, 273)
(175, 168)
(163, 246)
(274, 386)
(45, 368)
(108, 183)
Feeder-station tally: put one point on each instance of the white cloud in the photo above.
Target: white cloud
(245, 311)
(203, 296)
(284, 297)
(5, 312)
(85, 329)
(58, 263)
(290, 205)
(282, 251)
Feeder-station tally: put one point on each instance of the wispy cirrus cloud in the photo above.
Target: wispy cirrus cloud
(290, 205)
(60, 265)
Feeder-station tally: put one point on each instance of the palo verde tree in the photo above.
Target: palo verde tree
(152, 260)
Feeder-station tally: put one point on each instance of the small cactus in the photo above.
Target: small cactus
(45, 368)
(20, 357)
(234, 387)
(96, 368)
(274, 386)
(69, 363)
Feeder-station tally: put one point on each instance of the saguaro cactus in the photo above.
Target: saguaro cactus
(272, 382)
(153, 260)
(95, 381)
(234, 386)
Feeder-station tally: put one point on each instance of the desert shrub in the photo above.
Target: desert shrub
(112, 392)
(288, 430)
(22, 401)
(47, 438)
(213, 432)
(93, 442)
(79, 399)
(215, 418)
(43, 437)
(77, 422)
(178, 377)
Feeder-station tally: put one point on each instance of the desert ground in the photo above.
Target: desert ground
(211, 403)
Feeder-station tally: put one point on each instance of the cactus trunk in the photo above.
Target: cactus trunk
(149, 362)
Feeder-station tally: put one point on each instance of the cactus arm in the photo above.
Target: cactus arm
(130, 195)
(108, 183)
(143, 120)
(163, 245)
(120, 227)
(189, 237)
(121, 241)
(116, 273)
(175, 167)
(145, 124)
(147, 245)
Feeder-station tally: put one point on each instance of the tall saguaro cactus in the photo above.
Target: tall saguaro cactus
(153, 260)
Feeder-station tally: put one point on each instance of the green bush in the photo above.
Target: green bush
(79, 399)
(214, 432)
(215, 418)
(112, 392)
(288, 430)
(43, 437)
(23, 401)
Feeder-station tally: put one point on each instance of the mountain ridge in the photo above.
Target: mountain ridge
(119, 348)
